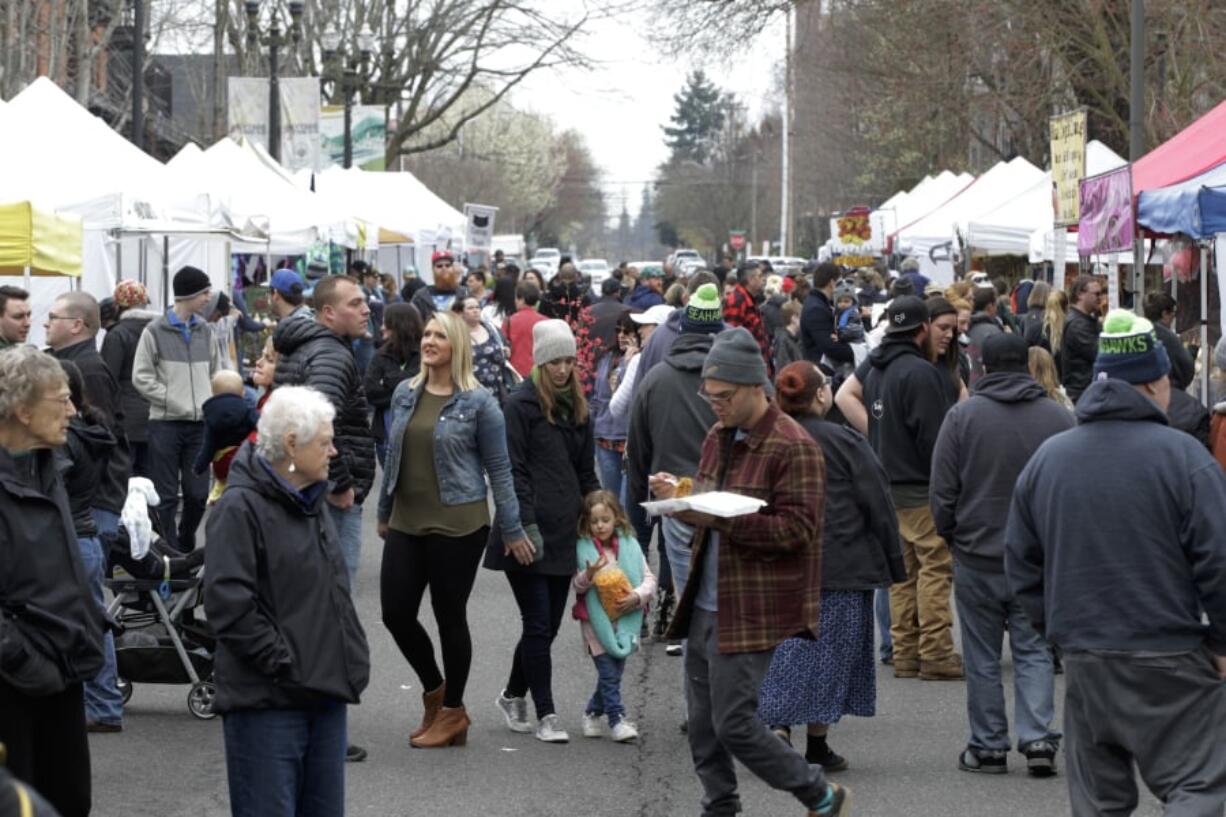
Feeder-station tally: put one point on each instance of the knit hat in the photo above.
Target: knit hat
(704, 315)
(1129, 350)
(905, 314)
(735, 357)
(190, 282)
(129, 293)
(552, 339)
(844, 289)
(1006, 352)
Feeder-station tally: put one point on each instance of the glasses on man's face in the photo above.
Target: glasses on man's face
(720, 398)
(51, 316)
(442, 264)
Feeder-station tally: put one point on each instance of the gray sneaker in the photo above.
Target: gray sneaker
(515, 710)
(547, 730)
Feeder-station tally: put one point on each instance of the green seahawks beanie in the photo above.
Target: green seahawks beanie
(1129, 350)
(703, 314)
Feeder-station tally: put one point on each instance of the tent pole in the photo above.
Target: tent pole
(1204, 325)
(165, 268)
(26, 278)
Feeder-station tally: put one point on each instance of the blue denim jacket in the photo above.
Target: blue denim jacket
(470, 438)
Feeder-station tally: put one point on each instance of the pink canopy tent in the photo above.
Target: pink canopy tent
(1192, 151)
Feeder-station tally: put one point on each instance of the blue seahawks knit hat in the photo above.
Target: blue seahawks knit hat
(1129, 350)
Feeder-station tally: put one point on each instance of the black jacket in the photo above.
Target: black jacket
(1078, 351)
(102, 392)
(119, 352)
(983, 326)
(817, 331)
(423, 300)
(984, 444)
(907, 398)
(554, 468)
(383, 375)
(1183, 368)
(1032, 329)
(860, 545)
(1186, 413)
(1116, 537)
(772, 314)
(668, 420)
(604, 315)
(83, 460)
(565, 302)
(228, 420)
(50, 625)
(313, 355)
(276, 592)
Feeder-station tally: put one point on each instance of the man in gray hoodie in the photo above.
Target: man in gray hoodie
(984, 443)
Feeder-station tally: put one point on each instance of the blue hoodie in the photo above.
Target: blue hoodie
(1117, 536)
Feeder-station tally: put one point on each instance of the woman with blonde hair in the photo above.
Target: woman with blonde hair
(1055, 313)
(447, 436)
(1043, 369)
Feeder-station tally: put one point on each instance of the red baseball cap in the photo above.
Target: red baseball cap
(441, 255)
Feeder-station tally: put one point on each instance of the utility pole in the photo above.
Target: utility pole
(219, 72)
(1136, 135)
(138, 73)
(785, 169)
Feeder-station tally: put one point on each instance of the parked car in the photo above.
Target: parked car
(595, 270)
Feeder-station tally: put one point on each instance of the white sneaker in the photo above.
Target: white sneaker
(547, 730)
(625, 731)
(592, 727)
(515, 710)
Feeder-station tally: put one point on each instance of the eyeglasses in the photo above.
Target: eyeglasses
(51, 316)
(442, 264)
(65, 401)
(722, 398)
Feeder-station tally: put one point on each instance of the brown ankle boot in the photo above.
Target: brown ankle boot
(450, 728)
(432, 702)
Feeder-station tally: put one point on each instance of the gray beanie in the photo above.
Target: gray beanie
(551, 340)
(1219, 353)
(735, 357)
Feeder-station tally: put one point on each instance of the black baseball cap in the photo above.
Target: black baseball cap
(905, 314)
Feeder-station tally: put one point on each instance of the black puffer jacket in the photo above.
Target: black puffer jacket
(82, 461)
(313, 355)
(383, 375)
(276, 593)
(554, 468)
(119, 352)
(1078, 351)
(102, 392)
(50, 627)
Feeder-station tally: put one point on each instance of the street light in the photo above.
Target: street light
(354, 76)
(273, 40)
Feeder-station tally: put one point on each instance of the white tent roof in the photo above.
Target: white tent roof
(928, 195)
(1002, 183)
(395, 201)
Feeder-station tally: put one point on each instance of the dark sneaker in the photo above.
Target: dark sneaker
(906, 667)
(949, 669)
(1040, 758)
(98, 727)
(824, 756)
(354, 754)
(983, 761)
(836, 803)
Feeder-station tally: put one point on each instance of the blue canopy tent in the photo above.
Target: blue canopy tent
(1196, 207)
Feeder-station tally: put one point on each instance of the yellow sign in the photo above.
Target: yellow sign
(1068, 163)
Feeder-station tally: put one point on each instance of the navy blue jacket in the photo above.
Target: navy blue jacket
(228, 420)
(817, 331)
(1116, 539)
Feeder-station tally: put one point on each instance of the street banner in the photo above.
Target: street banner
(479, 232)
(248, 116)
(1068, 163)
(736, 239)
(368, 130)
(1106, 224)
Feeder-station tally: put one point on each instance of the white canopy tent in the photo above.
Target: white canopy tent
(925, 197)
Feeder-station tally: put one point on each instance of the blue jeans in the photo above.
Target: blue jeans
(348, 524)
(286, 762)
(881, 607)
(103, 701)
(986, 609)
(609, 469)
(173, 445)
(607, 699)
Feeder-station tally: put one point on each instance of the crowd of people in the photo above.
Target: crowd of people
(1017, 452)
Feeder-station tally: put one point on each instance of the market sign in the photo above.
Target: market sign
(1068, 163)
(854, 260)
(853, 228)
(736, 240)
(1106, 223)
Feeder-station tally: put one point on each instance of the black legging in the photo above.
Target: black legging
(448, 566)
(542, 603)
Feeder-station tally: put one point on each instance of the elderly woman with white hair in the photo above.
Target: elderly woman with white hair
(50, 626)
(291, 652)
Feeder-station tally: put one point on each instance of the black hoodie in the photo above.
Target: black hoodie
(1116, 538)
(906, 398)
(984, 444)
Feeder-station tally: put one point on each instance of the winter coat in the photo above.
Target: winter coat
(669, 421)
(1116, 538)
(174, 373)
(276, 593)
(817, 331)
(984, 444)
(772, 314)
(787, 349)
(565, 302)
(313, 355)
(227, 422)
(50, 625)
(983, 326)
(1183, 368)
(119, 354)
(740, 309)
(83, 461)
(643, 297)
(1188, 415)
(860, 545)
(1078, 351)
(658, 346)
(423, 300)
(383, 375)
(1032, 329)
(554, 467)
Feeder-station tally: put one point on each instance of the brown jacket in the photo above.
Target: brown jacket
(770, 574)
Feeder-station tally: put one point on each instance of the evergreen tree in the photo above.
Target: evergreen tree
(645, 226)
(624, 242)
(696, 119)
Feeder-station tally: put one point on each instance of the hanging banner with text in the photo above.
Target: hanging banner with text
(479, 232)
(368, 131)
(1106, 223)
(1068, 163)
(248, 116)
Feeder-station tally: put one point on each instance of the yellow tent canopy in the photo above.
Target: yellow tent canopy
(39, 241)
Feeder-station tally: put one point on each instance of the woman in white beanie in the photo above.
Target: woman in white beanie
(549, 438)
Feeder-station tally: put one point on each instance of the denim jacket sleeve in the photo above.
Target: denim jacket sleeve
(492, 445)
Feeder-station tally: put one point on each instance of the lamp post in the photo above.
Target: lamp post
(274, 40)
(350, 73)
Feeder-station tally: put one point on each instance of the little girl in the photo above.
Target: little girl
(605, 544)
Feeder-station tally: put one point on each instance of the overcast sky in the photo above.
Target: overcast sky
(621, 104)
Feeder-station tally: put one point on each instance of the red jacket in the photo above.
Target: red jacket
(518, 329)
(740, 309)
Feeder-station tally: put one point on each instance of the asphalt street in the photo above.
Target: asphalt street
(903, 761)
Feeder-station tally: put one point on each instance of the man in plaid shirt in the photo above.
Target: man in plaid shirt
(754, 581)
(741, 306)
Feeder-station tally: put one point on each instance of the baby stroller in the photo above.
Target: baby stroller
(158, 638)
